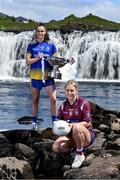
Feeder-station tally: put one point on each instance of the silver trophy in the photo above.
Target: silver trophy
(56, 63)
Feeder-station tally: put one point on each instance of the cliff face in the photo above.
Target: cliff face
(87, 23)
(27, 154)
(67, 29)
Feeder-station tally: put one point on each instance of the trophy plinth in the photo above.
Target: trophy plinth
(55, 73)
(56, 63)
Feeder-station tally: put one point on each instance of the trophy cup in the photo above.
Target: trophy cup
(56, 63)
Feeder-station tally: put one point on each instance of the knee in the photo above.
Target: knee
(55, 148)
(35, 100)
(53, 98)
(76, 130)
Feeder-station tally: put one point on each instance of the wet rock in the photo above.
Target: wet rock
(12, 168)
(104, 128)
(99, 168)
(27, 120)
(24, 149)
(6, 149)
(115, 125)
(34, 148)
(3, 139)
(114, 144)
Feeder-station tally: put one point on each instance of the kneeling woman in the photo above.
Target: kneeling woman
(76, 111)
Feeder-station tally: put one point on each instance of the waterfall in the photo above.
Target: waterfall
(12, 50)
(96, 54)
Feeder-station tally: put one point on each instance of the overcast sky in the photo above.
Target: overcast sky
(46, 10)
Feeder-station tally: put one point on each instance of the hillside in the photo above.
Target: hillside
(87, 23)
(11, 23)
(67, 25)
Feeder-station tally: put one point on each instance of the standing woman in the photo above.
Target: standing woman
(37, 51)
(76, 111)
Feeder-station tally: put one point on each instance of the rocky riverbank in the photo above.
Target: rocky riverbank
(27, 154)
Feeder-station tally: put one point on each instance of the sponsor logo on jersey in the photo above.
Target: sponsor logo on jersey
(77, 112)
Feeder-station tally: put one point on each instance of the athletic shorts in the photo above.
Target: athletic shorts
(92, 134)
(39, 84)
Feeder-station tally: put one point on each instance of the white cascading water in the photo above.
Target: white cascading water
(96, 54)
(12, 51)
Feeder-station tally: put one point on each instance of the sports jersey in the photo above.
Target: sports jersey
(40, 68)
(79, 111)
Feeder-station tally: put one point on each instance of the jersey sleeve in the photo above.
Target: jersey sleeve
(87, 112)
(29, 49)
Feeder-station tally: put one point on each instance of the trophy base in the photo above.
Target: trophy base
(55, 74)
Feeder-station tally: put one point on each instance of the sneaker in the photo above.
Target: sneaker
(78, 160)
(34, 126)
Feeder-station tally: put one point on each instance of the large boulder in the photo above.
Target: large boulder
(12, 168)
(99, 168)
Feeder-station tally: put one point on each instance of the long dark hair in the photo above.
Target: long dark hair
(46, 38)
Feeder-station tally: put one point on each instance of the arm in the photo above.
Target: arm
(30, 60)
(54, 51)
(87, 120)
(83, 123)
(86, 124)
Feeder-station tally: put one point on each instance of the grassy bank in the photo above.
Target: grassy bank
(89, 22)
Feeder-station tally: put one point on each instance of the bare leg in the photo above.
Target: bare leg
(51, 91)
(35, 101)
(81, 135)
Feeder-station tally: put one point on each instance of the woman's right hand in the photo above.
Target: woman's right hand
(40, 56)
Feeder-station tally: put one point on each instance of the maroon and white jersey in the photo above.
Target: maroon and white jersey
(78, 112)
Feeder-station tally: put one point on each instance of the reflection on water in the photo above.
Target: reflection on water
(15, 101)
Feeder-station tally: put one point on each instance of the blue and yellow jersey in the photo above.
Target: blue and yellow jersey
(34, 49)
